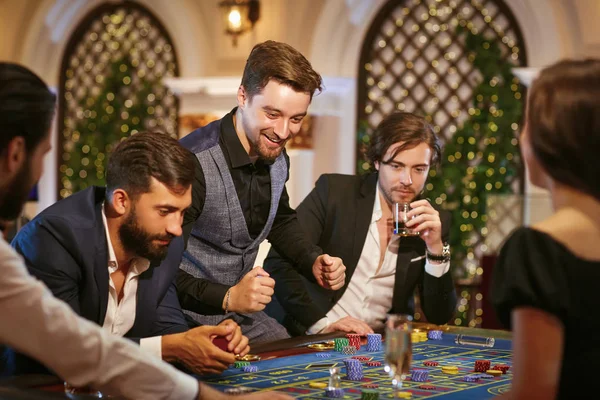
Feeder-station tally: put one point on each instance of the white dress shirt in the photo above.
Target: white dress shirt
(371, 288)
(120, 315)
(37, 324)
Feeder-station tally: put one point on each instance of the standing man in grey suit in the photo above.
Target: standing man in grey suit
(351, 217)
(239, 198)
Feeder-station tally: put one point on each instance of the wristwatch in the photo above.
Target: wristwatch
(441, 258)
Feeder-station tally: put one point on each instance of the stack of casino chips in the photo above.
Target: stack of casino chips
(334, 393)
(354, 340)
(374, 342)
(348, 350)
(369, 394)
(420, 375)
(340, 343)
(354, 370)
(434, 335)
(250, 368)
(471, 378)
(501, 367)
(241, 364)
(482, 365)
(324, 355)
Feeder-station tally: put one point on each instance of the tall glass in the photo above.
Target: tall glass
(398, 348)
(401, 218)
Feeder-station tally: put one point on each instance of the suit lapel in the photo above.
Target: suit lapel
(364, 213)
(101, 264)
(406, 271)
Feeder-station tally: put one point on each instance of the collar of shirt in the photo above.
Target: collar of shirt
(234, 151)
(138, 264)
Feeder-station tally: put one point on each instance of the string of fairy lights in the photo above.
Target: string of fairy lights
(419, 63)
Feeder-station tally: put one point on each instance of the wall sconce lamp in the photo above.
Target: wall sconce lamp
(239, 16)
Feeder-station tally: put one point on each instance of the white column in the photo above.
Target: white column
(537, 202)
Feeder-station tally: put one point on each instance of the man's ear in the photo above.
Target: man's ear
(376, 165)
(242, 97)
(120, 201)
(16, 154)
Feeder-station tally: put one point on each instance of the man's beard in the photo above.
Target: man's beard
(137, 240)
(259, 148)
(388, 195)
(15, 194)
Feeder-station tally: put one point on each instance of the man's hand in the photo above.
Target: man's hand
(330, 272)
(208, 393)
(427, 222)
(238, 343)
(196, 351)
(252, 293)
(350, 325)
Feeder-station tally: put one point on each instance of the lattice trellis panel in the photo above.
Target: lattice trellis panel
(111, 88)
(414, 61)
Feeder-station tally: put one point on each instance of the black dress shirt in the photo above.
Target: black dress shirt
(252, 183)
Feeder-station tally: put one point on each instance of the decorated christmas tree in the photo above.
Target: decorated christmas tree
(482, 157)
(113, 114)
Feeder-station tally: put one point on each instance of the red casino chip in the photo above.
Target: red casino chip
(427, 387)
(371, 386)
(482, 365)
(431, 363)
(501, 367)
(362, 358)
(374, 364)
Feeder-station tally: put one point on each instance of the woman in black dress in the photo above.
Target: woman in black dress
(546, 285)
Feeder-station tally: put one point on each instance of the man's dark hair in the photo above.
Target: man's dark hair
(563, 119)
(26, 106)
(282, 63)
(410, 129)
(146, 155)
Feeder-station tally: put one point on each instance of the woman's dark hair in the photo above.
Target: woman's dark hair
(146, 155)
(26, 106)
(563, 120)
(410, 129)
(282, 63)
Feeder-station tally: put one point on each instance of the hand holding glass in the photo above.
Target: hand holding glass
(401, 218)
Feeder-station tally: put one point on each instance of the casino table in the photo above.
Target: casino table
(290, 366)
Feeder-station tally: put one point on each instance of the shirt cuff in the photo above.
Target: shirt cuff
(437, 270)
(318, 326)
(152, 345)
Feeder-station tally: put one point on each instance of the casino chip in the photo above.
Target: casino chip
(501, 367)
(434, 335)
(374, 342)
(427, 387)
(324, 355)
(420, 375)
(493, 372)
(431, 363)
(250, 368)
(317, 385)
(369, 394)
(404, 395)
(373, 363)
(371, 386)
(471, 378)
(238, 390)
(482, 365)
(334, 393)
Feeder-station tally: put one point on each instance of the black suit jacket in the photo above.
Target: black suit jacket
(65, 246)
(336, 217)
